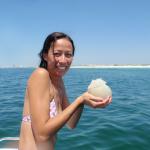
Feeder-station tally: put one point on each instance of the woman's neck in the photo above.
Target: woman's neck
(56, 81)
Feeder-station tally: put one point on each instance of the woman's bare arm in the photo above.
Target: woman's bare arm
(45, 127)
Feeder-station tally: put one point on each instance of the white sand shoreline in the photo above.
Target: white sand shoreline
(87, 66)
(111, 66)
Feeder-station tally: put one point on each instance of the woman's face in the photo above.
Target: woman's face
(59, 57)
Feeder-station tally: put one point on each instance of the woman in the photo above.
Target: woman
(46, 106)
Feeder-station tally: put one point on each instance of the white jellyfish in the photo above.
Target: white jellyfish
(99, 88)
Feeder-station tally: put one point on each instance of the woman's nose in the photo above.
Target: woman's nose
(62, 58)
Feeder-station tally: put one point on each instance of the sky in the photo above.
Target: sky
(104, 31)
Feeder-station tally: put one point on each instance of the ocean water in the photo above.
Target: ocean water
(123, 125)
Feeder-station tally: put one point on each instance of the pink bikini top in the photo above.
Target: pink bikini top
(52, 113)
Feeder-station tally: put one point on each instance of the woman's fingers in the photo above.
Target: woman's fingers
(110, 99)
(96, 102)
(95, 98)
(101, 103)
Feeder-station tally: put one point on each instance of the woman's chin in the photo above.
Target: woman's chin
(60, 73)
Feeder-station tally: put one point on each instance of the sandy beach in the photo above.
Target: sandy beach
(110, 66)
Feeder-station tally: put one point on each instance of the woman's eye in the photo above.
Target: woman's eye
(68, 55)
(57, 54)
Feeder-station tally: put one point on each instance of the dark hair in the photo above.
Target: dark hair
(49, 41)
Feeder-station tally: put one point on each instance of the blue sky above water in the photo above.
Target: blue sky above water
(104, 32)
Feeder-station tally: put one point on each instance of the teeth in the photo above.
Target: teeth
(62, 68)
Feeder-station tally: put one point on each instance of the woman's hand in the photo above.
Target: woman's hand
(95, 102)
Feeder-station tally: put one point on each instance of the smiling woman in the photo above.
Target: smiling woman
(46, 106)
(59, 56)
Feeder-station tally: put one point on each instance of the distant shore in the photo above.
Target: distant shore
(111, 66)
(92, 66)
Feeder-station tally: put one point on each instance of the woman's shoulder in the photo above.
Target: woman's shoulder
(38, 74)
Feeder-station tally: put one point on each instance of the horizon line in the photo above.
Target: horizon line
(91, 66)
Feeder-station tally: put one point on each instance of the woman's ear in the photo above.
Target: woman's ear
(45, 56)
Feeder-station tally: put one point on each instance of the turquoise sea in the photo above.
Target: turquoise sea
(123, 125)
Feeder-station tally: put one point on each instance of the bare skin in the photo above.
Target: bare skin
(45, 85)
